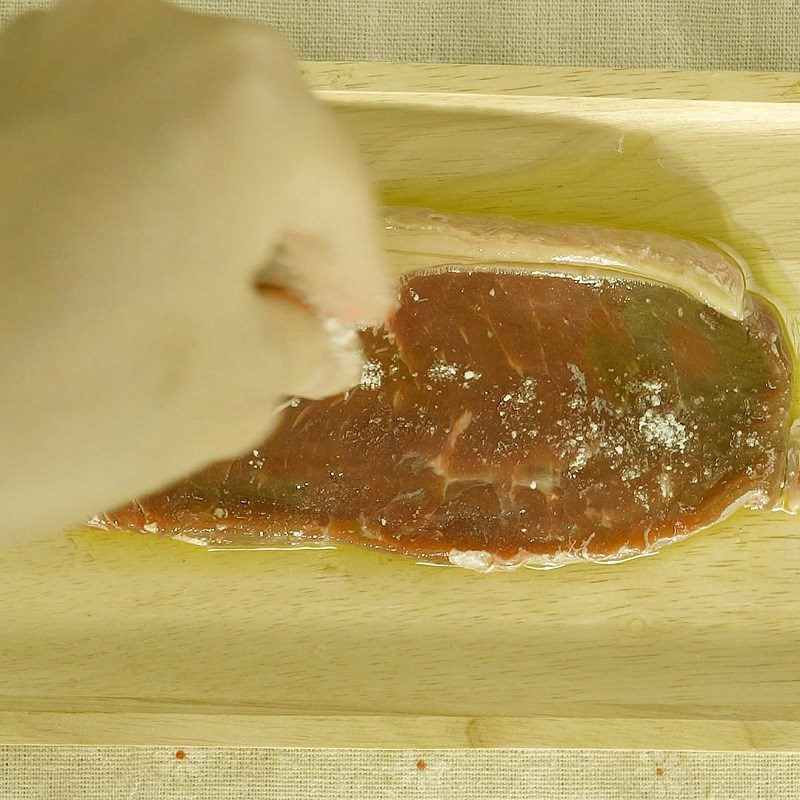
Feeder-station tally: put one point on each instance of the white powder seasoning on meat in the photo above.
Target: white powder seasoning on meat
(580, 460)
(442, 371)
(524, 395)
(578, 376)
(371, 375)
(663, 429)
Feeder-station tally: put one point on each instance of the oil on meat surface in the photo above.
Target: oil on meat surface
(508, 418)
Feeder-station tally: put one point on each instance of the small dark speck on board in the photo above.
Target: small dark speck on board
(180, 754)
(421, 765)
(659, 771)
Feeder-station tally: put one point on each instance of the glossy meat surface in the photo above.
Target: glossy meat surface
(507, 418)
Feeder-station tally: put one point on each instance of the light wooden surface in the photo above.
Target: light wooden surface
(770, 87)
(396, 731)
(125, 638)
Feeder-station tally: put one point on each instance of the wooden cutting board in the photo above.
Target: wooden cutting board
(124, 638)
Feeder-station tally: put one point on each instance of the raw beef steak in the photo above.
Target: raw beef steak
(513, 416)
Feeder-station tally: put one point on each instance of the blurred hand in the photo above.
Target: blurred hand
(152, 162)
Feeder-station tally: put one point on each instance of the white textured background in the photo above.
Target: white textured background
(134, 773)
(658, 34)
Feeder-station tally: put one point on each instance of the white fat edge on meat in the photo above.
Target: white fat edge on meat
(789, 320)
(483, 561)
(420, 238)
(789, 501)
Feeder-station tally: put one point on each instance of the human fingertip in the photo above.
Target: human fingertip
(332, 379)
(341, 367)
(358, 292)
(370, 309)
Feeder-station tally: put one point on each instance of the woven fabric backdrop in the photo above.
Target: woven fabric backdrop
(649, 34)
(222, 773)
(680, 34)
